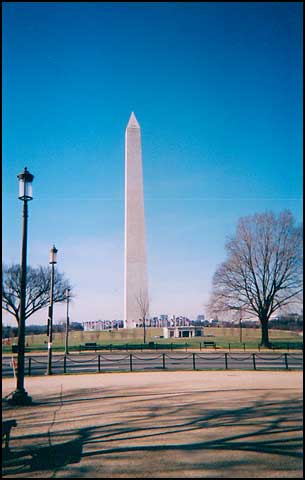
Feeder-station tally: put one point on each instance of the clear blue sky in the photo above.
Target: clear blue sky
(217, 90)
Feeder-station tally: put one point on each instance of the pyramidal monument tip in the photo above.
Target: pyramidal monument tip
(133, 122)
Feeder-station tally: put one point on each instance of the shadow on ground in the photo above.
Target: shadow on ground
(194, 436)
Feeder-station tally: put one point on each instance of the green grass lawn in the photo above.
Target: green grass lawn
(221, 336)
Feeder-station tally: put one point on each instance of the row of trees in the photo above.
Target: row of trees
(9, 332)
(263, 273)
(287, 322)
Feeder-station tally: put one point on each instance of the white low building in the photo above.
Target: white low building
(183, 332)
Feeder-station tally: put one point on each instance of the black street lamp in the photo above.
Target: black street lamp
(240, 327)
(20, 396)
(144, 325)
(53, 261)
(67, 322)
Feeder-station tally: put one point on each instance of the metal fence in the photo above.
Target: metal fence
(84, 363)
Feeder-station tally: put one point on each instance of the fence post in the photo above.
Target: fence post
(286, 360)
(194, 366)
(254, 364)
(229, 347)
(163, 361)
(30, 361)
(99, 363)
(65, 363)
(244, 347)
(130, 361)
(226, 361)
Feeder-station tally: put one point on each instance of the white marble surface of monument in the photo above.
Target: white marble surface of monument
(136, 284)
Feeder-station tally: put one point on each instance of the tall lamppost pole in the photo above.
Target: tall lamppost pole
(53, 261)
(67, 322)
(240, 326)
(20, 396)
(144, 325)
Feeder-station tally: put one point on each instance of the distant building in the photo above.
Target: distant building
(153, 322)
(183, 332)
(164, 321)
(181, 321)
(99, 325)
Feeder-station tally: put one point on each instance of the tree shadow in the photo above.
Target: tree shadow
(267, 426)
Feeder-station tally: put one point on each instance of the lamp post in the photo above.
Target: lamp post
(53, 261)
(20, 396)
(240, 327)
(67, 323)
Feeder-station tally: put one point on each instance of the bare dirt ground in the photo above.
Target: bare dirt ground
(158, 424)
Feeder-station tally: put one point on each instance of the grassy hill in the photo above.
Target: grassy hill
(221, 336)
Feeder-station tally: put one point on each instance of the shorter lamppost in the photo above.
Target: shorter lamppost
(240, 327)
(144, 325)
(67, 322)
(53, 261)
(20, 396)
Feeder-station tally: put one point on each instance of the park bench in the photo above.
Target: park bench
(7, 425)
(209, 344)
(15, 349)
(286, 346)
(88, 346)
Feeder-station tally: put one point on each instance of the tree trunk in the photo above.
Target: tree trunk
(265, 333)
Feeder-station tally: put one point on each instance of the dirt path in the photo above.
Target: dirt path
(164, 425)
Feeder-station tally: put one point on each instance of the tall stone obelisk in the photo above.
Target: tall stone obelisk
(136, 287)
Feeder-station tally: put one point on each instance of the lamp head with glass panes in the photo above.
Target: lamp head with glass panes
(25, 185)
(53, 255)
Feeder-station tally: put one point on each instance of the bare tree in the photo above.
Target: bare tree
(263, 270)
(37, 289)
(143, 302)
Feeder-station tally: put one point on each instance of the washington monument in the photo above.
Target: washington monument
(136, 288)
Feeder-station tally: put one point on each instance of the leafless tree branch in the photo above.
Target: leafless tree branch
(143, 303)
